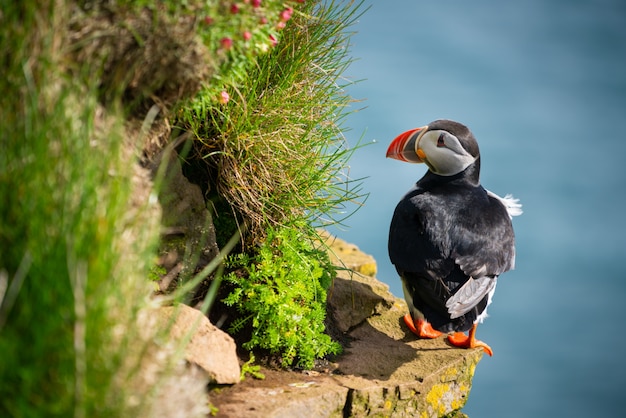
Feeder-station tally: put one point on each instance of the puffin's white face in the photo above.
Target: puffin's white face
(442, 152)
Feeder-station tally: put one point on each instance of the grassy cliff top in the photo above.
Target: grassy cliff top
(248, 93)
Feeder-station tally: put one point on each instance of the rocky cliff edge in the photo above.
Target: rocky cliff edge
(384, 370)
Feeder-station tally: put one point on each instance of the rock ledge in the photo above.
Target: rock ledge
(384, 370)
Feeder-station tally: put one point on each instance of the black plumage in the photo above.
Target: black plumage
(447, 231)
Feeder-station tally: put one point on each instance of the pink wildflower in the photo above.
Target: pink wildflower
(234, 9)
(226, 43)
(208, 20)
(247, 35)
(285, 15)
(256, 3)
(223, 97)
(281, 25)
(273, 40)
(263, 20)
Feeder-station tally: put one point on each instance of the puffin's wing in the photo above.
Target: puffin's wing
(486, 245)
(469, 295)
(484, 252)
(414, 245)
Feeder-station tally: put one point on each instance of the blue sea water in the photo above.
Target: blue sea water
(542, 84)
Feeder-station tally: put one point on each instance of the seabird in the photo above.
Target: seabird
(449, 238)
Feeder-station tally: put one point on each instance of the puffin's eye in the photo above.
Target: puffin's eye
(440, 141)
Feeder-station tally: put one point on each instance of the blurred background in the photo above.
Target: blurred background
(543, 87)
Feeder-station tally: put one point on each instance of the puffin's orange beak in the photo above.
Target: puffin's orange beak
(403, 148)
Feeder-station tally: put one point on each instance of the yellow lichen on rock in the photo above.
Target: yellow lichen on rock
(348, 255)
(451, 393)
(435, 399)
(450, 374)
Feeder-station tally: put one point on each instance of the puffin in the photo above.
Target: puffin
(449, 239)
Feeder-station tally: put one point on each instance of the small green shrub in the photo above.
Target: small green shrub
(281, 293)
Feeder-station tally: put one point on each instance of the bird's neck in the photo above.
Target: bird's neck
(470, 176)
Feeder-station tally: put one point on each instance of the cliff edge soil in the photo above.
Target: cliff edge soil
(384, 369)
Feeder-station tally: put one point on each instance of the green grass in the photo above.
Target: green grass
(275, 151)
(276, 162)
(78, 241)
(76, 250)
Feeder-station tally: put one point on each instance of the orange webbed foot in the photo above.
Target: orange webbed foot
(423, 328)
(459, 339)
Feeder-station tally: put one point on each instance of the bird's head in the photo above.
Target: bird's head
(445, 146)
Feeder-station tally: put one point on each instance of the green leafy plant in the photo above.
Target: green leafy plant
(156, 272)
(252, 369)
(281, 293)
